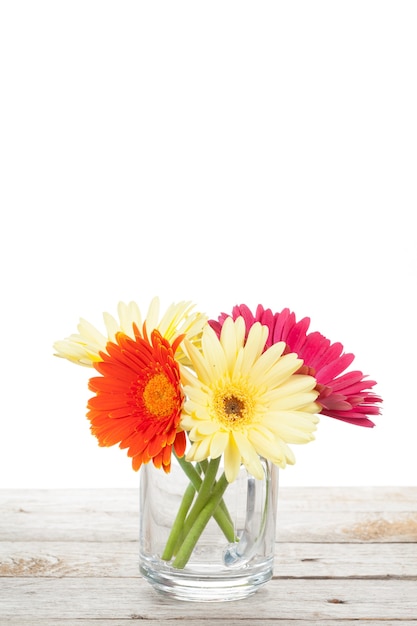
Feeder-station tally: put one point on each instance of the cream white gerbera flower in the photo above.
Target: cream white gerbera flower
(246, 403)
(84, 348)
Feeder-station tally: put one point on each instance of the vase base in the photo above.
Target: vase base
(192, 587)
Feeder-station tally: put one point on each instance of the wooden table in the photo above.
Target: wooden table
(343, 556)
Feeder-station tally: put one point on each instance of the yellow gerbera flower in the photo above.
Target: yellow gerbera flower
(84, 348)
(246, 403)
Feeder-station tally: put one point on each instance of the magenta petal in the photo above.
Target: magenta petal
(335, 367)
(349, 380)
(264, 316)
(297, 335)
(246, 313)
(314, 347)
(216, 326)
(280, 321)
(267, 319)
(356, 388)
(289, 323)
(335, 403)
(332, 353)
(357, 421)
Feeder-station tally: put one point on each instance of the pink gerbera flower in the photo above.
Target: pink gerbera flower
(347, 397)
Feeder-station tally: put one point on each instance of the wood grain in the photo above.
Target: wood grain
(342, 556)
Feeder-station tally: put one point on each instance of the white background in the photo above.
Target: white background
(219, 152)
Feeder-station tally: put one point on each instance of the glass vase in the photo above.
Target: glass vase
(228, 557)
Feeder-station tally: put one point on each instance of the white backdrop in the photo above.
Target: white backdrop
(219, 152)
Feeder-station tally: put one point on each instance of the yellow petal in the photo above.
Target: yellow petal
(232, 460)
(292, 402)
(279, 372)
(254, 346)
(199, 451)
(213, 353)
(219, 442)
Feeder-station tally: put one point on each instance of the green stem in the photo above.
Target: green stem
(178, 523)
(222, 511)
(190, 471)
(201, 500)
(221, 515)
(201, 522)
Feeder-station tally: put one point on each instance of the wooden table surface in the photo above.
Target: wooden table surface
(343, 556)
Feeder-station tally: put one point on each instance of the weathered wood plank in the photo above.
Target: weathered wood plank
(290, 498)
(343, 555)
(367, 498)
(304, 514)
(304, 526)
(349, 526)
(51, 500)
(292, 560)
(131, 598)
(340, 560)
(205, 620)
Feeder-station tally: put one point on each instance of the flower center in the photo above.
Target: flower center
(159, 396)
(233, 407)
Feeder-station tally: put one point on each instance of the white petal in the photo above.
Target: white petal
(90, 334)
(112, 326)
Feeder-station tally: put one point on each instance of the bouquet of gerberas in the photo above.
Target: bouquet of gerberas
(236, 390)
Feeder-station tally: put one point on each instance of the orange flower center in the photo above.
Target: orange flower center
(159, 396)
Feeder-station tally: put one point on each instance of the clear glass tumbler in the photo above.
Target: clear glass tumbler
(222, 565)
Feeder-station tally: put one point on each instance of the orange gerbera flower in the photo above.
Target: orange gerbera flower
(139, 398)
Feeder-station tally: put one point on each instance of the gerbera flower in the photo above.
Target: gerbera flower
(245, 402)
(348, 397)
(139, 398)
(85, 347)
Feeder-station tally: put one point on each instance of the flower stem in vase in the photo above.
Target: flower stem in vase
(203, 487)
(200, 523)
